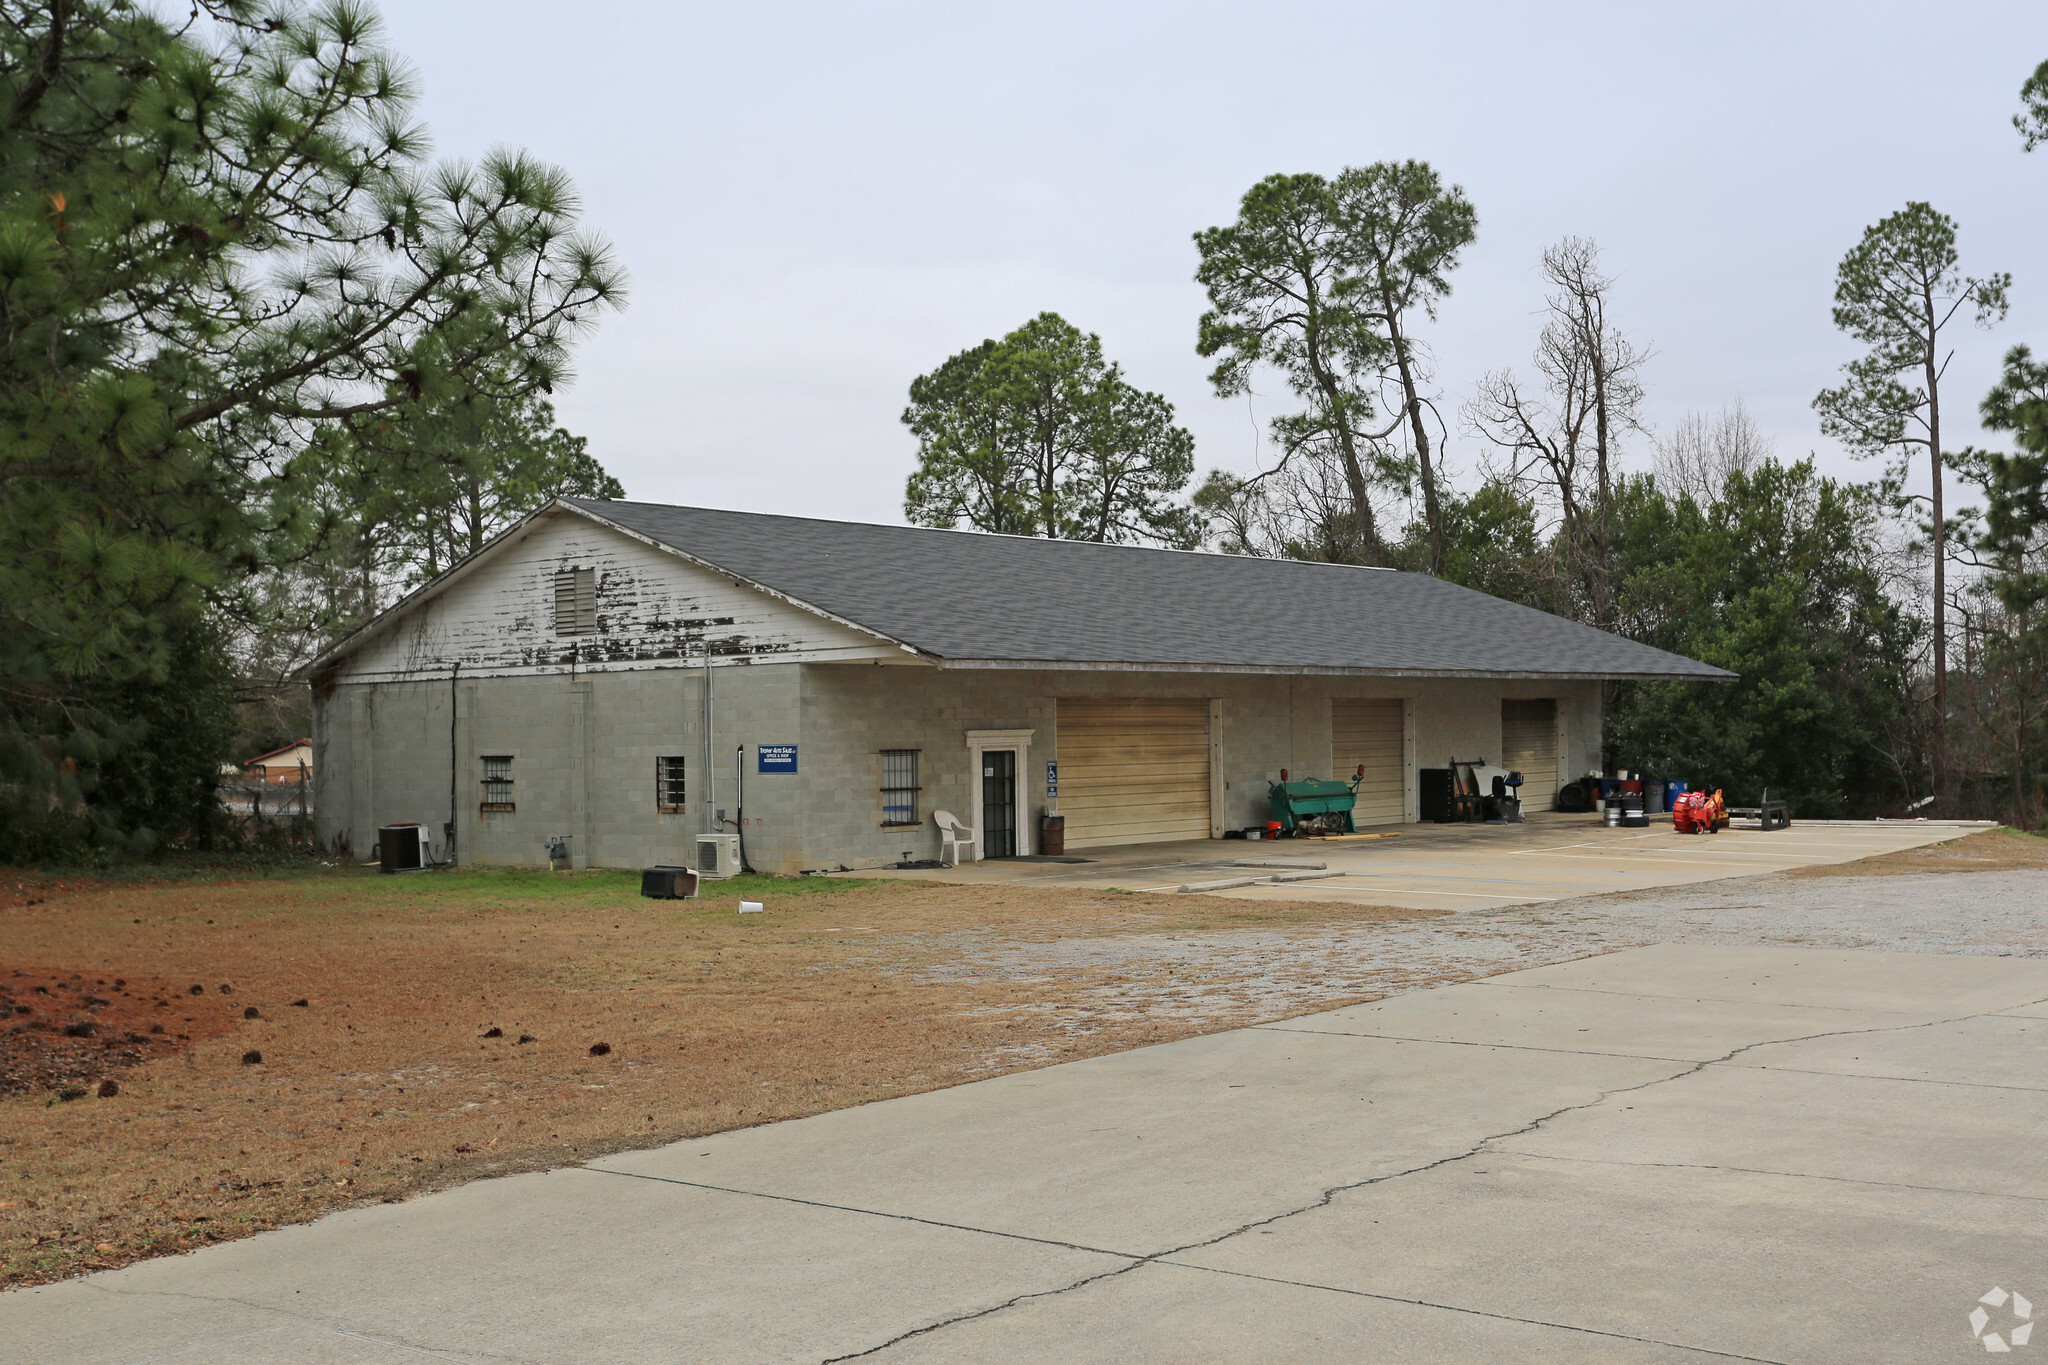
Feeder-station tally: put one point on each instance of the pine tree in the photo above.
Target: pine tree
(1040, 434)
(217, 243)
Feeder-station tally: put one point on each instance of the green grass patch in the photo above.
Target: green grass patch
(596, 889)
(362, 883)
(758, 887)
(596, 885)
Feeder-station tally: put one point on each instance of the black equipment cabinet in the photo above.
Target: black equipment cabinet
(1436, 795)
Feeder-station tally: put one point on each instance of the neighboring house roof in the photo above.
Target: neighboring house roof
(293, 747)
(966, 597)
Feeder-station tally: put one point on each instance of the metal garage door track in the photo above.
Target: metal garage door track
(1667, 1154)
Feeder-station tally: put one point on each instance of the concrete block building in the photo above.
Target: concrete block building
(621, 677)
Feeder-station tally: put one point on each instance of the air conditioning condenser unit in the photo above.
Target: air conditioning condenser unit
(403, 848)
(718, 856)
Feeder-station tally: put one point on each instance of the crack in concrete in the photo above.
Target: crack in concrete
(1322, 1201)
(1139, 1260)
(871, 1213)
(1466, 1042)
(1909, 1080)
(1695, 999)
(1788, 1175)
(989, 1311)
(290, 1316)
(1330, 1194)
(1479, 1313)
(400, 1345)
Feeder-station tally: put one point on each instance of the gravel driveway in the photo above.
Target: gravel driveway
(1991, 914)
(1223, 978)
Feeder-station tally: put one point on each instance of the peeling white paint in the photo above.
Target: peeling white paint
(654, 610)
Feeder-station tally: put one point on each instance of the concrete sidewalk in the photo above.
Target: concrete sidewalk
(1666, 1154)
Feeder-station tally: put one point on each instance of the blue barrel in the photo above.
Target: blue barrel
(1672, 791)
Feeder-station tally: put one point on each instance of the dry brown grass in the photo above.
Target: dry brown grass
(387, 1082)
(1994, 850)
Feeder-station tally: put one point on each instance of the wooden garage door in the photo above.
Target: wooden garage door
(1369, 733)
(1528, 745)
(1133, 771)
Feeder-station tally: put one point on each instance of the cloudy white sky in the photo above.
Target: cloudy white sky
(818, 203)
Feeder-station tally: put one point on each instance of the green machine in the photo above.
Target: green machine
(1313, 805)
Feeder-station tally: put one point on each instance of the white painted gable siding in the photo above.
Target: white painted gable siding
(654, 610)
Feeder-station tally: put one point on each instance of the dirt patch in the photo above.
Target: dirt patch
(65, 1033)
(383, 1036)
(1994, 850)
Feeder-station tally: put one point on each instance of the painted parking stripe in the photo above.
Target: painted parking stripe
(1468, 895)
(1665, 861)
(1595, 887)
(1413, 869)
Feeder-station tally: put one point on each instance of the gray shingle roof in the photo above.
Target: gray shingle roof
(963, 595)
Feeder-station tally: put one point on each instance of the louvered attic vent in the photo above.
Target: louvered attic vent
(576, 602)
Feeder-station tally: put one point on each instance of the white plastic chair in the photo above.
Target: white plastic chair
(955, 837)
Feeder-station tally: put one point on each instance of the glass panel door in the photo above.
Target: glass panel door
(999, 803)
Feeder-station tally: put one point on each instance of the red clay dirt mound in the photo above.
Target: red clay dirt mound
(69, 1032)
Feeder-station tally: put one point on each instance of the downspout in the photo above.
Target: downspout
(710, 754)
(740, 809)
(448, 834)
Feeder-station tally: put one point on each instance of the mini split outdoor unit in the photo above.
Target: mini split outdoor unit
(718, 855)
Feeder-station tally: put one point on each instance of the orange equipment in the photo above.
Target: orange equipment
(1699, 813)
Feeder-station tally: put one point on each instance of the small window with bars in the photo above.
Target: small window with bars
(670, 790)
(576, 602)
(899, 787)
(498, 782)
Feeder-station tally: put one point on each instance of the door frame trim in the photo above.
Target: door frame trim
(979, 742)
(1411, 764)
(1216, 767)
(1563, 739)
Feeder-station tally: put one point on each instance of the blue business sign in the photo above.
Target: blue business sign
(775, 758)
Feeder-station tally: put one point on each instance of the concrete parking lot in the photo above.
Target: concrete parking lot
(1671, 1153)
(1551, 857)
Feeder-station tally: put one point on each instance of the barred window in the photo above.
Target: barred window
(576, 602)
(498, 782)
(899, 787)
(670, 792)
